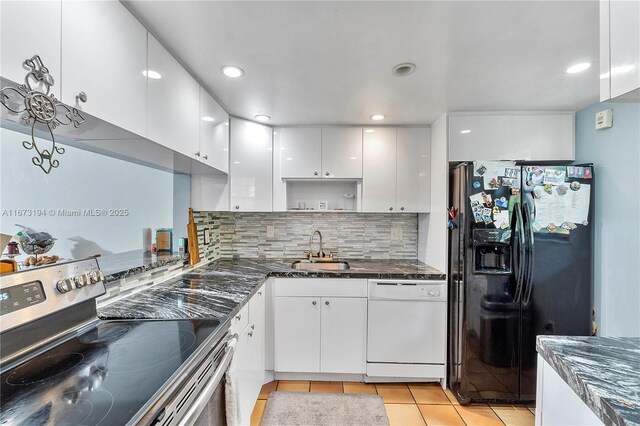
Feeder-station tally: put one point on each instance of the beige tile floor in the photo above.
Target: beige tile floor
(411, 404)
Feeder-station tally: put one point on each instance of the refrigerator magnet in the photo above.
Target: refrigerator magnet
(508, 181)
(480, 171)
(575, 186)
(477, 184)
(579, 172)
(502, 202)
(511, 173)
(571, 172)
(587, 172)
(551, 227)
(548, 188)
(536, 226)
(561, 189)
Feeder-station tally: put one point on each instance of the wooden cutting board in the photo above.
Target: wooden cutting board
(192, 235)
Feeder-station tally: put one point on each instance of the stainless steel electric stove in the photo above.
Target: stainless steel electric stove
(61, 365)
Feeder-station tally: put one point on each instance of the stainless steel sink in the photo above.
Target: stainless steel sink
(334, 265)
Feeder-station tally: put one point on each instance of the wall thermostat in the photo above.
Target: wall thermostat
(604, 119)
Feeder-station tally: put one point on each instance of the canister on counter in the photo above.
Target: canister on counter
(164, 240)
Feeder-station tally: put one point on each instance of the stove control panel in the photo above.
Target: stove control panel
(34, 293)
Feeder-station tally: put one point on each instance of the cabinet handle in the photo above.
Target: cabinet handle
(259, 293)
(315, 173)
(198, 154)
(82, 97)
(326, 303)
(253, 326)
(314, 303)
(237, 207)
(390, 208)
(251, 334)
(238, 317)
(326, 174)
(206, 157)
(401, 208)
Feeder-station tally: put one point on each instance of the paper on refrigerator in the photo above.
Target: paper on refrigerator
(553, 208)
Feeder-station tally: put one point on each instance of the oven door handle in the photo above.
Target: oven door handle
(198, 405)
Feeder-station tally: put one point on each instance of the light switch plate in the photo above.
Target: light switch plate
(207, 237)
(396, 233)
(271, 231)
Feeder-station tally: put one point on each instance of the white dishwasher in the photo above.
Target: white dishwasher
(407, 329)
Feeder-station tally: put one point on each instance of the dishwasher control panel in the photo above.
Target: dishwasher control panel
(433, 291)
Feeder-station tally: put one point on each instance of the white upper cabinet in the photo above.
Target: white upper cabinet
(624, 45)
(29, 28)
(342, 152)
(104, 55)
(474, 137)
(251, 166)
(379, 170)
(214, 133)
(173, 102)
(531, 137)
(413, 148)
(300, 152)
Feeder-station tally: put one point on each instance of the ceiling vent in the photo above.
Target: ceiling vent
(403, 70)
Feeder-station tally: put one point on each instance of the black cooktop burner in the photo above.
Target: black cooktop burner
(104, 376)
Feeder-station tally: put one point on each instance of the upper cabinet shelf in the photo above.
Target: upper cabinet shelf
(138, 102)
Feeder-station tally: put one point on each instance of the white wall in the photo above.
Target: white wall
(432, 227)
(85, 180)
(615, 153)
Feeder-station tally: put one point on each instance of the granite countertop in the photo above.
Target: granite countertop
(220, 288)
(603, 371)
(122, 265)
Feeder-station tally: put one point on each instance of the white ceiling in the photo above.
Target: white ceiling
(330, 62)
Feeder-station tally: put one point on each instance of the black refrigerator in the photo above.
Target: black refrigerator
(520, 265)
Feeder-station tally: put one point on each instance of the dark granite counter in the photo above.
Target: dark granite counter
(603, 371)
(221, 288)
(123, 265)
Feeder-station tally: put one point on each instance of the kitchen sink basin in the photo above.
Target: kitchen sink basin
(320, 266)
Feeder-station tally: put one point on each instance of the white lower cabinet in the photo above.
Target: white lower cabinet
(297, 334)
(343, 330)
(557, 403)
(249, 357)
(323, 332)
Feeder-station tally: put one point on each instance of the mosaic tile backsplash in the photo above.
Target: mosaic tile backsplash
(353, 235)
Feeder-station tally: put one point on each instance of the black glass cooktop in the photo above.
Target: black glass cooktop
(101, 377)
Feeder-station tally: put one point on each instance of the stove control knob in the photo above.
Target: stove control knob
(64, 286)
(79, 281)
(95, 277)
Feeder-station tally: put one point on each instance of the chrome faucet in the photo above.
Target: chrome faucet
(313, 234)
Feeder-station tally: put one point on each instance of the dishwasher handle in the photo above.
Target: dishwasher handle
(198, 405)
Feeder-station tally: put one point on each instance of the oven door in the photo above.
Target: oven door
(200, 401)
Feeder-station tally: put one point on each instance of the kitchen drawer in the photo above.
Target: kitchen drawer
(425, 371)
(321, 287)
(240, 320)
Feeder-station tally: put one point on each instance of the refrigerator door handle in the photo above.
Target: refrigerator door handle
(529, 249)
(517, 250)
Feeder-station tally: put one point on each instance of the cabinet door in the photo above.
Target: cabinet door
(413, 164)
(379, 170)
(250, 366)
(104, 54)
(214, 133)
(251, 166)
(343, 335)
(624, 26)
(542, 137)
(297, 334)
(174, 103)
(342, 153)
(19, 41)
(300, 152)
(479, 137)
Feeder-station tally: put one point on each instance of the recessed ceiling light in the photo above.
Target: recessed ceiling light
(464, 132)
(232, 71)
(353, 158)
(154, 75)
(289, 158)
(207, 118)
(377, 117)
(576, 68)
(262, 117)
(236, 162)
(226, 123)
(369, 130)
(403, 70)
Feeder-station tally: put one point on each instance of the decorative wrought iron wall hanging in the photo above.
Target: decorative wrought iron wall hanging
(40, 107)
